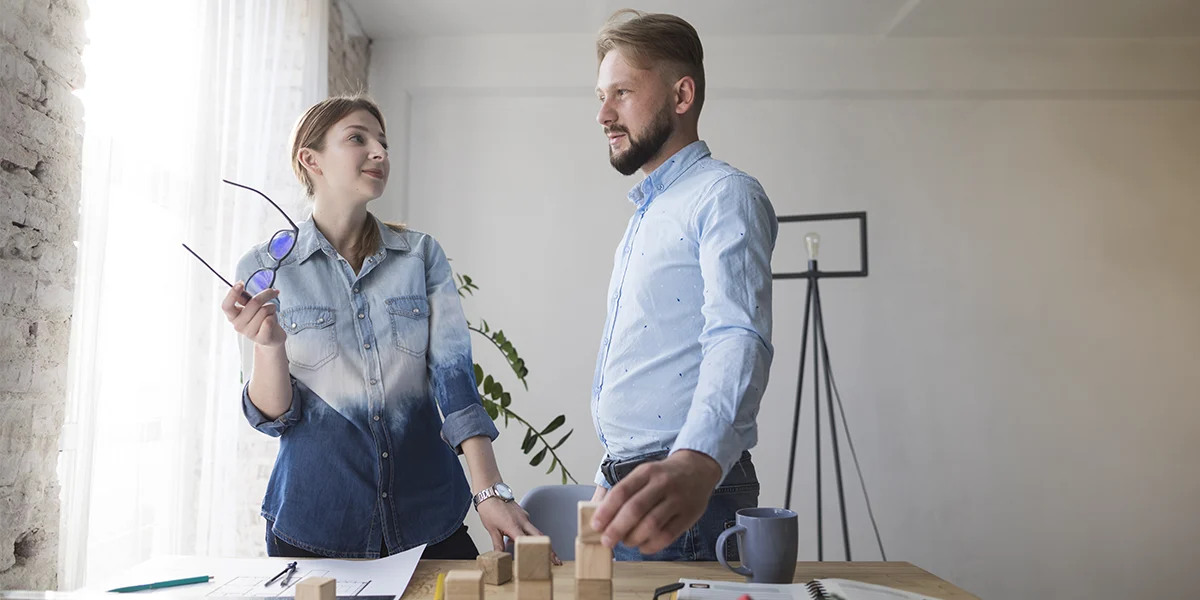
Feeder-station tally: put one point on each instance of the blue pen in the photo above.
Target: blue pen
(162, 584)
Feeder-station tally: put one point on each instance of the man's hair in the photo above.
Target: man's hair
(651, 40)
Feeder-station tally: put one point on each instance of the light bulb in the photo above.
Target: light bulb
(813, 242)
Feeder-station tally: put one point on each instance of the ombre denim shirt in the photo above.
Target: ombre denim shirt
(365, 454)
(686, 348)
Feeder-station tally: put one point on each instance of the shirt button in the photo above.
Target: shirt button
(294, 325)
(321, 320)
(385, 494)
(373, 382)
(366, 346)
(355, 290)
(416, 311)
(376, 417)
(385, 454)
(361, 316)
(604, 342)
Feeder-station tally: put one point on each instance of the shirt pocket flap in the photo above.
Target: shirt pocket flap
(301, 318)
(413, 307)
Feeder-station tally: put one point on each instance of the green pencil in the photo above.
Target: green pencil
(162, 584)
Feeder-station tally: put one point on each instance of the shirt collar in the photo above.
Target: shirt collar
(666, 173)
(311, 239)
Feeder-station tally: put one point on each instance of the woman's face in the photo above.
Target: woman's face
(354, 163)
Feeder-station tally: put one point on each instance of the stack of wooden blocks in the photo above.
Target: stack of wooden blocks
(593, 561)
(532, 568)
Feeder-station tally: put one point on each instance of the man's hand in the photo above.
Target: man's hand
(657, 502)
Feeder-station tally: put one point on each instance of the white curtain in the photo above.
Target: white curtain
(157, 458)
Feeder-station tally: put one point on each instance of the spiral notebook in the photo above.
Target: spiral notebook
(817, 589)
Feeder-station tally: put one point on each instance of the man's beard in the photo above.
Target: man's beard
(645, 147)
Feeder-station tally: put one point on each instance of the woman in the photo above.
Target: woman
(356, 346)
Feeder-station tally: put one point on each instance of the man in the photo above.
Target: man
(686, 347)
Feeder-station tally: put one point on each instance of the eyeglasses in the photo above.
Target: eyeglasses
(280, 246)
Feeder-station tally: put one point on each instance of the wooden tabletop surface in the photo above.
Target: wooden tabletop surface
(637, 581)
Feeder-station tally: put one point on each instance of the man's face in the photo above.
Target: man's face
(635, 111)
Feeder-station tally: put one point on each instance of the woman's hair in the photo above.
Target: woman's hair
(310, 133)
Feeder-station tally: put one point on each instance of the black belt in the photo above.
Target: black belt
(615, 470)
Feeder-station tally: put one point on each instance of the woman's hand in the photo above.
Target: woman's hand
(502, 519)
(254, 318)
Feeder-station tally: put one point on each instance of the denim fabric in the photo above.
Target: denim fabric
(383, 395)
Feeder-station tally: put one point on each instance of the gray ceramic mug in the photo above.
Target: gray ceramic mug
(767, 540)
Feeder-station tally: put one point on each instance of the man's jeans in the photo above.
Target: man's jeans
(739, 490)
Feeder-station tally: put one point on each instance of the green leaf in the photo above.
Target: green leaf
(530, 440)
(478, 374)
(555, 424)
(505, 399)
(498, 390)
(564, 474)
(537, 458)
(564, 438)
(487, 385)
(492, 410)
(553, 463)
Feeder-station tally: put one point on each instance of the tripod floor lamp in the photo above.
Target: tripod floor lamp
(822, 370)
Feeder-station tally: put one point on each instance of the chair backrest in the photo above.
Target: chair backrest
(553, 510)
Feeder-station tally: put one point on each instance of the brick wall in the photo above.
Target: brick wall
(41, 44)
(349, 51)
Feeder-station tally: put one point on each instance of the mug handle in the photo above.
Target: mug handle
(721, 540)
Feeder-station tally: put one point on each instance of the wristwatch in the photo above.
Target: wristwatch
(499, 490)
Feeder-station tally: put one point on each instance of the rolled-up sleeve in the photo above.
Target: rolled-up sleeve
(737, 228)
(275, 427)
(451, 367)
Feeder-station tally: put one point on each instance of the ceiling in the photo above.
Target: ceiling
(395, 19)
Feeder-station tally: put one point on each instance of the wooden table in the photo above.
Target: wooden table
(637, 581)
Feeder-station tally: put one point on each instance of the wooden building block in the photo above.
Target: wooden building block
(462, 584)
(533, 558)
(586, 511)
(593, 589)
(316, 588)
(592, 561)
(497, 567)
(535, 589)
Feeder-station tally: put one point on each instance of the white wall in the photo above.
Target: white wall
(1020, 368)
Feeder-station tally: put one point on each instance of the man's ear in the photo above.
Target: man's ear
(685, 94)
(308, 159)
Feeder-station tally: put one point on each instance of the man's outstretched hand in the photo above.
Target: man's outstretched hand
(657, 502)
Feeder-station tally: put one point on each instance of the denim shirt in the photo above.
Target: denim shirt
(686, 347)
(364, 455)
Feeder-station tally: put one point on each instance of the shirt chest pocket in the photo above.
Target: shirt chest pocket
(410, 323)
(312, 338)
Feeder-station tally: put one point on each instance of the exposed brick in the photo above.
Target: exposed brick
(41, 43)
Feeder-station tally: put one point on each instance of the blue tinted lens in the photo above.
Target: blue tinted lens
(259, 281)
(281, 244)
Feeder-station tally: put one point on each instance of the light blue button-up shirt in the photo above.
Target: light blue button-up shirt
(686, 347)
(383, 396)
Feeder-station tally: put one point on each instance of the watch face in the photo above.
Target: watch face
(504, 491)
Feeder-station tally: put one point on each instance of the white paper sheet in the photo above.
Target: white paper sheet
(244, 577)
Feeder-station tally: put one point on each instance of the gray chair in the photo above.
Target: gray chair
(553, 510)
